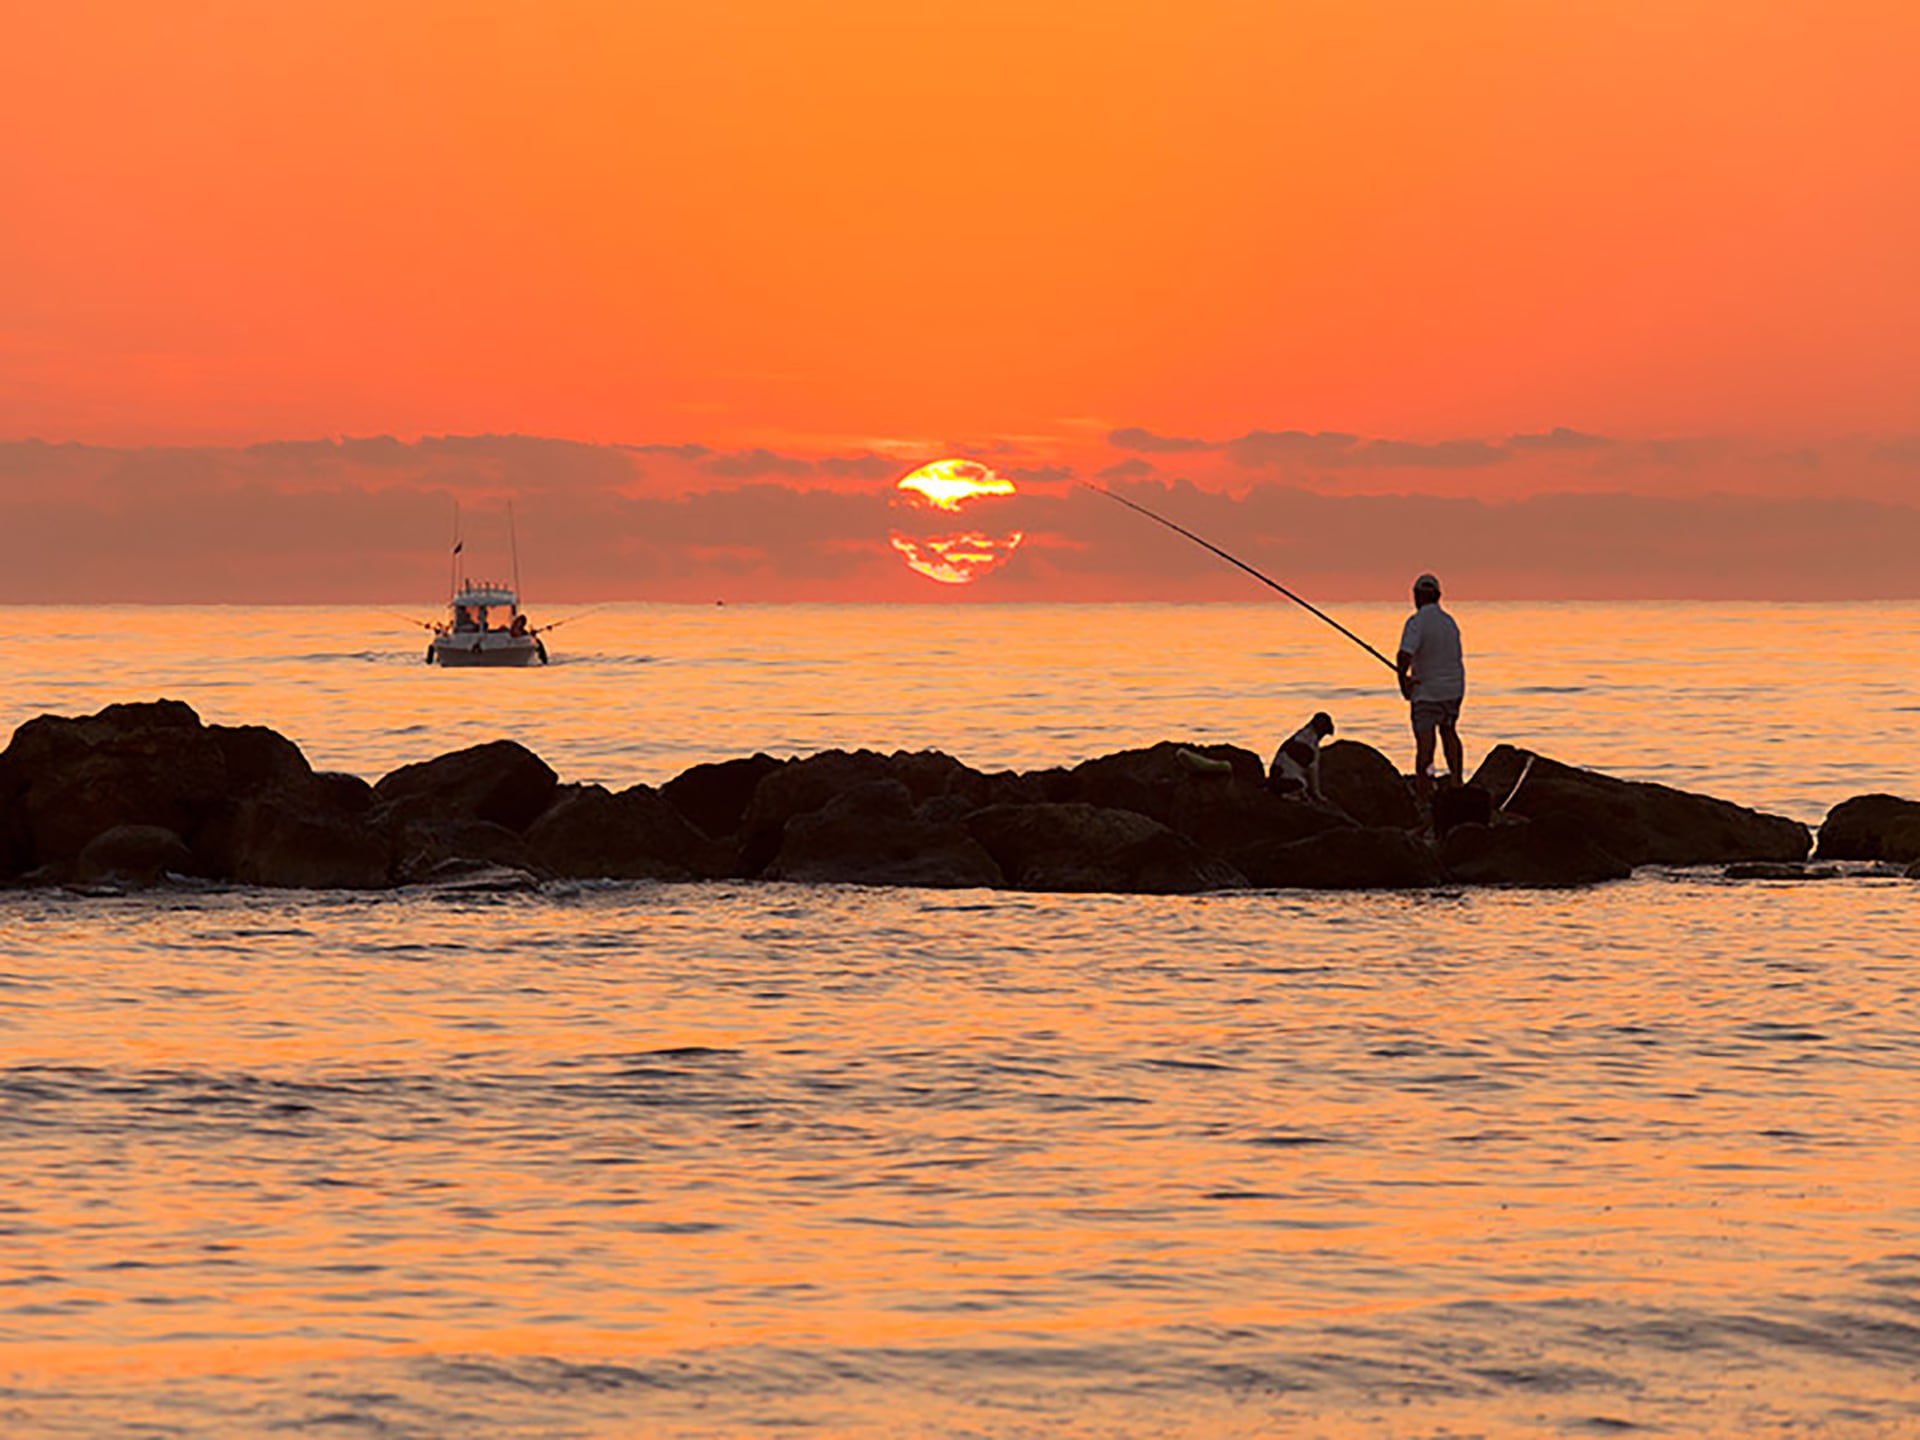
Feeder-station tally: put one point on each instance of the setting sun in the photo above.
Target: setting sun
(935, 495)
(948, 484)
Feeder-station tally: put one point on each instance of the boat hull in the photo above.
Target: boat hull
(492, 651)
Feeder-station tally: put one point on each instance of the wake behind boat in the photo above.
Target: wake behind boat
(484, 626)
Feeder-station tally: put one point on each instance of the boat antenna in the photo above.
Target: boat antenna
(1241, 564)
(513, 547)
(453, 560)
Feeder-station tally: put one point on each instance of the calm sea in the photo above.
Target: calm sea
(657, 1160)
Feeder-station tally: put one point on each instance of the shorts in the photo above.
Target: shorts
(1432, 714)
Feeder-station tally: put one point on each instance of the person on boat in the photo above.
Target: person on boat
(463, 619)
(1295, 772)
(1433, 680)
(519, 627)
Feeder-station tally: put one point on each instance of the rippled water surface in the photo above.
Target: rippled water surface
(711, 1160)
(698, 1160)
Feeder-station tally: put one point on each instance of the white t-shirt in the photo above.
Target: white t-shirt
(1433, 640)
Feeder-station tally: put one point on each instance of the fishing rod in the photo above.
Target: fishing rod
(1241, 564)
(555, 625)
(531, 629)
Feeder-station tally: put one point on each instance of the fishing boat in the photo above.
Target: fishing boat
(484, 626)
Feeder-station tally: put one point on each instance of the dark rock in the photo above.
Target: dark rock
(1639, 822)
(1551, 851)
(1871, 827)
(946, 809)
(1379, 857)
(592, 834)
(1226, 813)
(1159, 783)
(340, 794)
(259, 760)
(1248, 829)
(133, 855)
(65, 781)
(16, 835)
(1367, 785)
(1456, 805)
(1084, 847)
(714, 798)
(318, 835)
(502, 783)
(1052, 786)
(802, 786)
(973, 790)
(795, 788)
(140, 791)
(930, 775)
(872, 835)
(427, 848)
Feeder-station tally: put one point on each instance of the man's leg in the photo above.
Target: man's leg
(1456, 756)
(1423, 759)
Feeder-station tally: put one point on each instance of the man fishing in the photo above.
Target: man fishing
(1432, 673)
(1433, 678)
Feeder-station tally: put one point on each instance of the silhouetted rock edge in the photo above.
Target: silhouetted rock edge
(144, 791)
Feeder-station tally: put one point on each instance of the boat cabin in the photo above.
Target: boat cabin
(478, 607)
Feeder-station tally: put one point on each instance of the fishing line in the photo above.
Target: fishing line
(1241, 564)
(555, 625)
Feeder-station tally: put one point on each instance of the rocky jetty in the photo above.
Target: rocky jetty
(1872, 827)
(141, 792)
(1636, 821)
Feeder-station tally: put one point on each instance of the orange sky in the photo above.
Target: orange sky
(852, 227)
